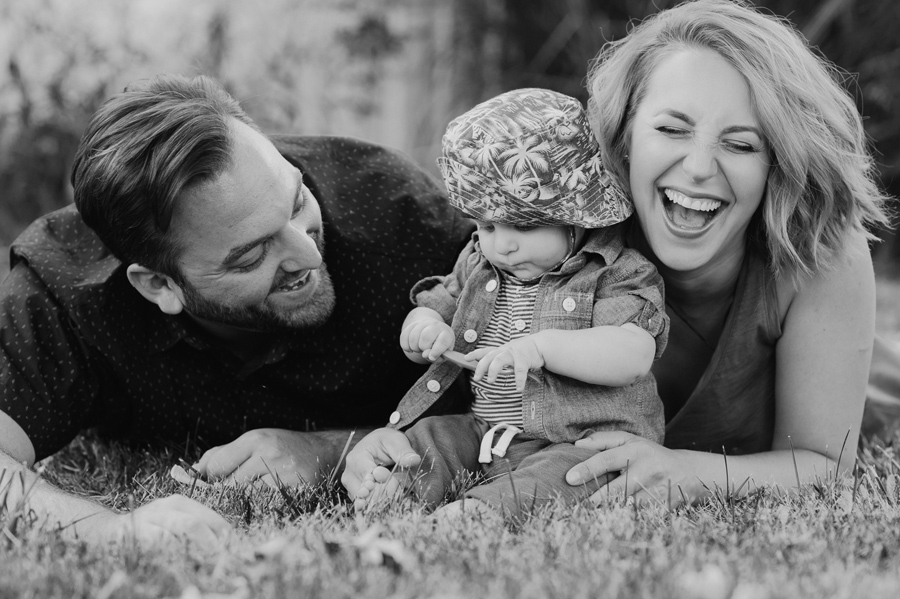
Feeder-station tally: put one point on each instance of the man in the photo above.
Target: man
(196, 304)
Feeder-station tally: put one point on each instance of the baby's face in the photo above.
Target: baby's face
(525, 252)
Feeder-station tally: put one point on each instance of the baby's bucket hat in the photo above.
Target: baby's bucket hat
(528, 157)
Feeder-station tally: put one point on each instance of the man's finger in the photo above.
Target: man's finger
(223, 460)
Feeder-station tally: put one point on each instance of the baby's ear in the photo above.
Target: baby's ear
(157, 288)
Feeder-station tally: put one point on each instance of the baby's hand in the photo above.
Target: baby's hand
(522, 355)
(429, 337)
(385, 447)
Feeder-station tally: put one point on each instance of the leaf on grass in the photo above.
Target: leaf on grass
(184, 477)
(289, 551)
(375, 551)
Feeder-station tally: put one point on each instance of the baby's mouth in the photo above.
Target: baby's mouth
(687, 213)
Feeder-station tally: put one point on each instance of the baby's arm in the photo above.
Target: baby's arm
(425, 336)
(602, 355)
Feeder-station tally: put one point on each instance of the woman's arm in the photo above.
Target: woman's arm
(822, 362)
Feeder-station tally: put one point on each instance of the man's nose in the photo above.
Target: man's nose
(300, 249)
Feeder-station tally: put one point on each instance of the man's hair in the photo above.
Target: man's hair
(821, 184)
(143, 149)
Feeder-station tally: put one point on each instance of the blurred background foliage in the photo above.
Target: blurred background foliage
(391, 71)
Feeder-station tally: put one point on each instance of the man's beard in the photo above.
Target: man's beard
(265, 317)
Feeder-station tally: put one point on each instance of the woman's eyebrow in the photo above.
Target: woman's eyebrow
(743, 129)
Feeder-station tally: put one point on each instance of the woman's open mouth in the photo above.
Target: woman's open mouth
(687, 214)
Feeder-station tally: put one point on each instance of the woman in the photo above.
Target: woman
(753, 188)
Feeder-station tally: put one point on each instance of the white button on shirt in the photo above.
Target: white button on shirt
(520, 325)
(491, 285)
(433, 386)
(395, 418)
(470, 336)
(568, 304)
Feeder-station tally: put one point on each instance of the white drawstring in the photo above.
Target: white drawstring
(499, 450)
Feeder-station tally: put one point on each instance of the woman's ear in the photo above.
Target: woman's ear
(157, 288)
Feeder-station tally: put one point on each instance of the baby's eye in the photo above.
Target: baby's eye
(486, 227)
(526, 227)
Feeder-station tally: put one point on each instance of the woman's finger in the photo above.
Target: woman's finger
(596, 466)
(603, 440)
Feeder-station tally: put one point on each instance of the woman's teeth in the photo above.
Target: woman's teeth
(689, 213)
(692, 204)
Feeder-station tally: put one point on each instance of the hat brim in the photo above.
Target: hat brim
(602, 203)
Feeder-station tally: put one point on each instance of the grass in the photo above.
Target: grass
(832, 539)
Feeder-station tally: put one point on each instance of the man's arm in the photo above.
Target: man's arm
(166, 519)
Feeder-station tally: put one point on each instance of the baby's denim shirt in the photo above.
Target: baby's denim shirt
(603, 284)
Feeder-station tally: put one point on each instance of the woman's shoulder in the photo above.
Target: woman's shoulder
(849, 274)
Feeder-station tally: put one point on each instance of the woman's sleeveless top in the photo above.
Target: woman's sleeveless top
(732, 409)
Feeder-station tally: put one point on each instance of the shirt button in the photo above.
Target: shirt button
(519, 324)
(491, 285)
(395, 418)
(568, 304)
(433, 386)
(470, 335)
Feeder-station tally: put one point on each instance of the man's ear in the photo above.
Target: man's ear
(157, 288)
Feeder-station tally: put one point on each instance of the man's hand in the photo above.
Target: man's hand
(521, 355)
(383, 447)
(162, 521)
(269, 453)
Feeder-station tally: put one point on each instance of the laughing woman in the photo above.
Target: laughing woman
(753, 189)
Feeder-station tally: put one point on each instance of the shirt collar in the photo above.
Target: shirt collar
(607, 243)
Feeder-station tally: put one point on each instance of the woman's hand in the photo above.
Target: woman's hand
(647, 471)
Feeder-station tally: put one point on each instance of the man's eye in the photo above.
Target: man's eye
(526, 228)
(487, 228)
(263, 251)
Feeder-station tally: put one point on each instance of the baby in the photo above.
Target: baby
(557, 321)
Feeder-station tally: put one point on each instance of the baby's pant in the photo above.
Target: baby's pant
(449, 447)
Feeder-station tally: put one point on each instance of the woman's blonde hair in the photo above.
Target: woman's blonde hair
(822, 181)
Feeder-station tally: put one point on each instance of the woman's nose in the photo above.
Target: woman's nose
(700, 163)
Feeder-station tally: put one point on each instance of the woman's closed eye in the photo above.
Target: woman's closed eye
(737, 146)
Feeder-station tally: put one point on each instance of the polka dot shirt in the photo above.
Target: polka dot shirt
(80, 348)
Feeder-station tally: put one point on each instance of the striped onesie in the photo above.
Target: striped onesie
(500, 402)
